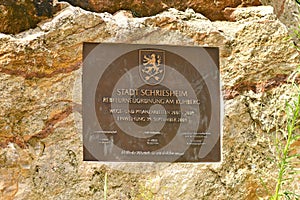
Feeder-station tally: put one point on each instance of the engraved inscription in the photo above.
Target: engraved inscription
(150, 104)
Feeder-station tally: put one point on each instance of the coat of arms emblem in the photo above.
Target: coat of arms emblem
(152, 67)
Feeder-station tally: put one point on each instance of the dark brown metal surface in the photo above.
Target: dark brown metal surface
(146, 103)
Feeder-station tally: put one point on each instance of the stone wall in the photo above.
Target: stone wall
(287, 12)
(19, 15)
(40, 114)
(140, 8)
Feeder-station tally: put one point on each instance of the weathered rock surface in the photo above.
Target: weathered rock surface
(17, 16)
(20, 15)
(287, 12)
(40, 106)
(211, 9)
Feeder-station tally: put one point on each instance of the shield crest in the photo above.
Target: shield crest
(152, 66)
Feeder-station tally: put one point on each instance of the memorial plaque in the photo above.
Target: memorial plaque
(151, 103)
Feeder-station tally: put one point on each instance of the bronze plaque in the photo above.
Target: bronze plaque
(151, 103)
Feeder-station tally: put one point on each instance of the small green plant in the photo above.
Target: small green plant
(287, 158)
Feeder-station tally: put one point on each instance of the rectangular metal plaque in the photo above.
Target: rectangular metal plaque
(151, 103)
